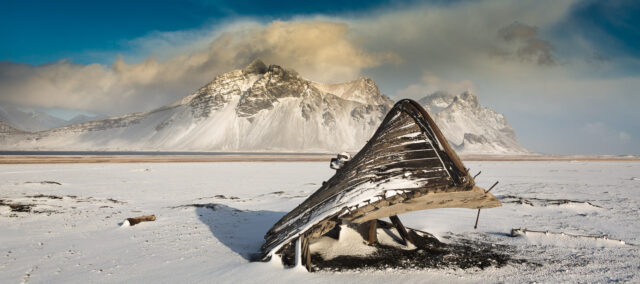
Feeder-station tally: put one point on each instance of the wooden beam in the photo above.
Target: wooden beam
(373, 226)
(401, 230)
(306, 253)
(477, 218)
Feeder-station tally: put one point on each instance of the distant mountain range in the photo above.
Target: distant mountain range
(34, 121)
(270, 108)
(470, 127)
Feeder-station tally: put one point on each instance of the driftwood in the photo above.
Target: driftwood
(136, 220)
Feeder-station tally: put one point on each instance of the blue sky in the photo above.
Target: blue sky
(565, 73)
(38, 32)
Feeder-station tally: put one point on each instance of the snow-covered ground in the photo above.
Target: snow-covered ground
(211, 218)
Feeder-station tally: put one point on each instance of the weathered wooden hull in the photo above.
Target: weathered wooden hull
(407, 165)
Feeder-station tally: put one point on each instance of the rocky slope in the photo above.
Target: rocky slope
(470, 127)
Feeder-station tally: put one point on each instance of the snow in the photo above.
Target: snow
(351, 243)
(211, 218)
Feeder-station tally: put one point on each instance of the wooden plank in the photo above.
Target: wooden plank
(306, 253)
(373, 226)
(401, 229)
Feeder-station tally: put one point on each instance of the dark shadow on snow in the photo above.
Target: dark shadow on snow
(241, 231)
(501, 234)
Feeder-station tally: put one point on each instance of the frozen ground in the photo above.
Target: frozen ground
(211, 217)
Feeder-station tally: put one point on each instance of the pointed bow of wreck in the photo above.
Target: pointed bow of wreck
(407, 165)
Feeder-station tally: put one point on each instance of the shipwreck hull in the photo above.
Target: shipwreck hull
(406, 166)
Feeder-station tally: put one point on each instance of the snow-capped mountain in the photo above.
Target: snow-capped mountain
(5, 128)
(258, 108)
(81, 118)
(29, 120)
(470, 127)
(270, 108)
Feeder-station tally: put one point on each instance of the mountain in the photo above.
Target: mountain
(5, 128)
(470, 127)
(80, 118)
(29, 120)
(270, 108)
(258, 108)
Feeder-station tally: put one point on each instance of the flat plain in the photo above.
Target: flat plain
(212, 216)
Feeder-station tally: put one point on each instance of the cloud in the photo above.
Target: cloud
(518, 31)
(600, 132)
(595, 128)
(431, 84)
(395, 46)
(528, 46)
(323, 51)
(624, 137)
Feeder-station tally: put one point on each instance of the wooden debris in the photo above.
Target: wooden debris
(401, 230)
(306, 253)
(373, 226)
(136, 220)
(478, 215)
(477, 218)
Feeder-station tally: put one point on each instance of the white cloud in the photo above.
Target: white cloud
(603, 133)
(624, 137)
(595, 128)
(431, 84)
(322, 51)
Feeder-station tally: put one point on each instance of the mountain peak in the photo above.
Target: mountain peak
(255, 67)
(471, 127)
(468, 98)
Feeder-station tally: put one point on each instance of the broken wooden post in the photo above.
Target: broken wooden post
(136, 220)
(487, 191)
(478, 216)
(306, 253)
(373, 226)
(401, 230)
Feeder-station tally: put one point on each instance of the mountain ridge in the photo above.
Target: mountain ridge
(257, 108)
